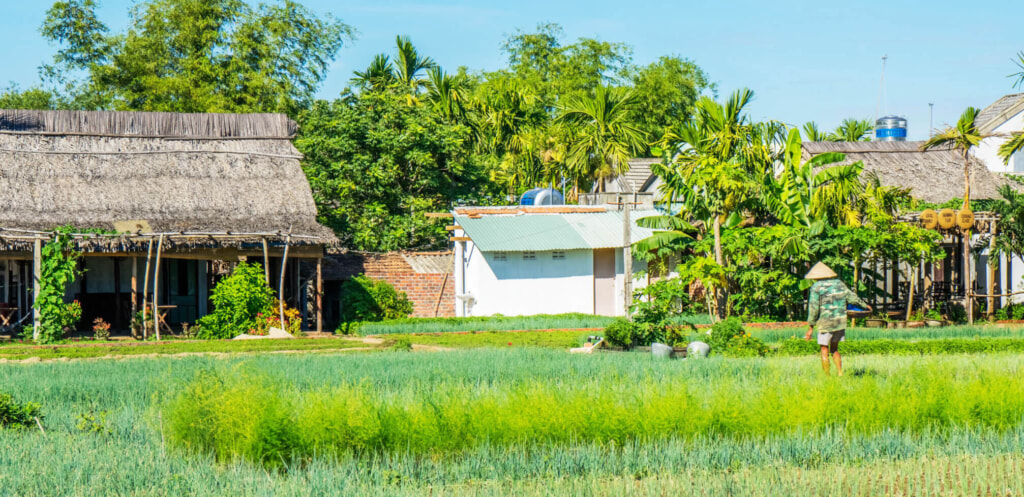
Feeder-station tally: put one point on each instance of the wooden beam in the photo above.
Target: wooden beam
(460, 239)
(266, 262)
(145, 291)
(37, 269)
(135, 289)
(117, 293)
(452, 227)
(439, 215)
(156, 289)
(280, 292)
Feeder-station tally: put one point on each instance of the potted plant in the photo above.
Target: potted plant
(916, 320)
(933, 319)
(878, 321)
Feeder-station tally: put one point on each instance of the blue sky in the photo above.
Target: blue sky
(805, 60)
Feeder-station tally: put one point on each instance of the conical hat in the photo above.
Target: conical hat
(820, 272)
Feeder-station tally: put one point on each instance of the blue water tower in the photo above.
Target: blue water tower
(891, 129)
(542, 196)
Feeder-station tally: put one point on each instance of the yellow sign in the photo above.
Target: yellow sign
(930, 219)
(965, 219)
(947, 218)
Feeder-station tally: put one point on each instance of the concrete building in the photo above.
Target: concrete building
(1001, 118)
(518, 261)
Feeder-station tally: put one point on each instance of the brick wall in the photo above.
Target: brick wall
(421, 275)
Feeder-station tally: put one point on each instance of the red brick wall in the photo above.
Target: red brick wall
(422, 288)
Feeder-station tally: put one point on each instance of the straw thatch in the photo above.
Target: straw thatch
(177, 172)
(934, 176)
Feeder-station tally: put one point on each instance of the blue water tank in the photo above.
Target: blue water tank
(542, 196)
(891, 129)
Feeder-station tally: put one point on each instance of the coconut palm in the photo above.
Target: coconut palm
(961, 138)
(1019, 75)
(814, 134)
(1013, 145)
(604, 136)
(506, 116)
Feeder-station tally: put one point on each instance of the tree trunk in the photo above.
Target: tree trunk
(968, 287)
(910, 293)
(720, 260)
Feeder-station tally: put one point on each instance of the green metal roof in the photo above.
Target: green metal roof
(540, 232)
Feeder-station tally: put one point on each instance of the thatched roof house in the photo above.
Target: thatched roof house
(202, 173)
(934, 176)
(197, 189)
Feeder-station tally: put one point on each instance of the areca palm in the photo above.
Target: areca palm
(506, 116)
(377, 76)
(853, 130)
(604, 136)
(447, 94)
(814, 134)
(1013, 145)
(409, 65)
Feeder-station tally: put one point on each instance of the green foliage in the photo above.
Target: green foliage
(936, 346)
(100, 329)
(619, 333)
(93, 422)
(249, 416)
(237, 300)
(666, 91)
(59, 269)
(193, 55)
(18, 415)
(730, 339)
(378, 163)
(367, 299)
(398, 343)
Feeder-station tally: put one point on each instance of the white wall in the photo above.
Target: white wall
(988, 150)
(544, 285)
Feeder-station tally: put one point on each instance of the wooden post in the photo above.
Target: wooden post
(145, 290)
(991, 268)
(319, 295)
(280, 291)
(266, 261)
(135, 289)
(117, 293)
(156, 288)
(968, 286)
(37, 269)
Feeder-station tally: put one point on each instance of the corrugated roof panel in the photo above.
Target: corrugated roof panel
(539, 232)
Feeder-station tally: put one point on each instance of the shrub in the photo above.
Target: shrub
(366, 299)
(619, 333)
(729, 338)
(272, 319)
(100, 329)
(14, 414)
(237, 301)
(93, 422)
(59, 269)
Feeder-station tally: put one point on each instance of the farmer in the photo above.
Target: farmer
(827, 309)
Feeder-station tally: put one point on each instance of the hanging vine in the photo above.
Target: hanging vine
(59, 269)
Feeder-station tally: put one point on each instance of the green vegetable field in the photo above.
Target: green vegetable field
(517, 421)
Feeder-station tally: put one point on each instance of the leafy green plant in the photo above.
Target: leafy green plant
(399, 343)
(59, 269)
(237, 301)
(14, 414)
(729, 338)
(619, 333)
(93, 422)
(141, 322)
(366, 299)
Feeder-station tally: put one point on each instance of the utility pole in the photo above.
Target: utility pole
(627, 255)
(931, 109)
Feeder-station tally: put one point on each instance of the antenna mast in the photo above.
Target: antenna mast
(881, 91)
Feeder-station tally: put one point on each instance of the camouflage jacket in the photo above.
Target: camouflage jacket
(827, 305)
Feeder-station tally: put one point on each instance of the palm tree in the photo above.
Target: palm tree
(377, 76)
(505, 117)
(447, 94)
(853, 130)
(604, 136)
(1013, 145)
(409, 65)
(813, 133)
(962, 138)
(1019, 75)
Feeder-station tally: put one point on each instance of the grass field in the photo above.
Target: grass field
(87, 350)
(947, 425)
(498, 323)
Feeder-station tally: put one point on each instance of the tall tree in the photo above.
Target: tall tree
(604, 135)
(410, 66)
(194, 55)
(377, 164)
(1019, 75)
(814, 133)
(666, 92)
(379, 75)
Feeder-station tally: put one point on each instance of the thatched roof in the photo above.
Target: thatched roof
(211, 173)
(935, 176)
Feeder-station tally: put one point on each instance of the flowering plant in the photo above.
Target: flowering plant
(270, 319)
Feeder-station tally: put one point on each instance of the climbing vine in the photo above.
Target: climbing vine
(59, 269)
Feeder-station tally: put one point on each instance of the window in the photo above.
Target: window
(558, 255)
(529, 256)
(500, 257)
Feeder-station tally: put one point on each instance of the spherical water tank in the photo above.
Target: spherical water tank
(891, 129)
(542, 196)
